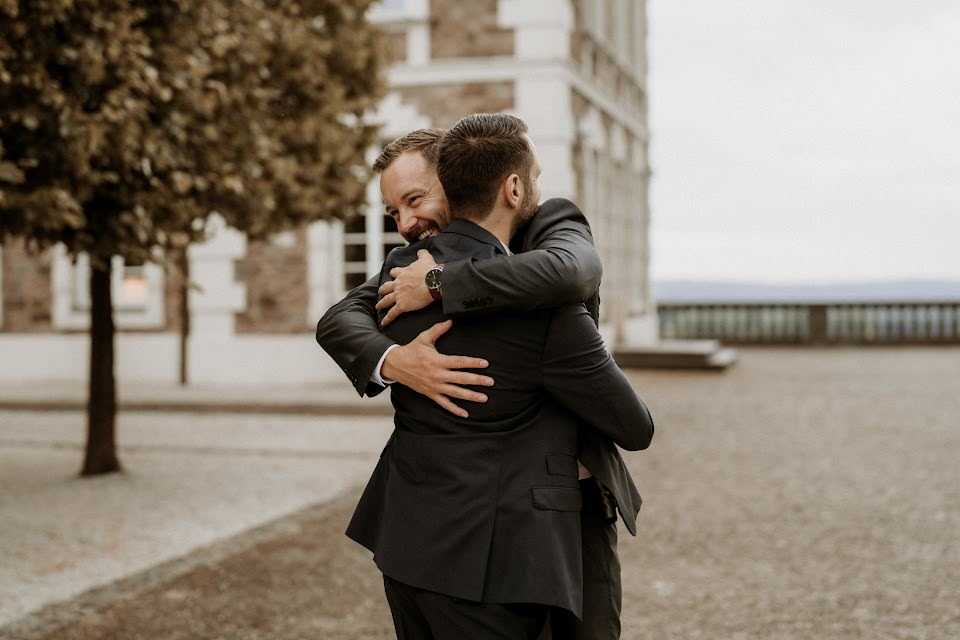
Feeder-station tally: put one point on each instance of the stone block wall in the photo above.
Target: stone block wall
(444, 104)
(274, 273)
(461, 29)
(396, 46)
(27, 295)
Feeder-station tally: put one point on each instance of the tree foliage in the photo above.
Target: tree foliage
(124, 123)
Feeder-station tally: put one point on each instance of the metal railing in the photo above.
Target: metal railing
(813, 323)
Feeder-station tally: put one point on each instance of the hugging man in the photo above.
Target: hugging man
(490, 512)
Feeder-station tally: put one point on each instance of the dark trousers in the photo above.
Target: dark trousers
(425, 615)
(602, 591)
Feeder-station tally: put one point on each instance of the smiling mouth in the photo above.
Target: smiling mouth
(428, 232)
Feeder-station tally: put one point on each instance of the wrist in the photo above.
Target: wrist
(387, 370)
(433, 282)
(380, 376)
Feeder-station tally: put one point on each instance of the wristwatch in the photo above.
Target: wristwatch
(432, 280)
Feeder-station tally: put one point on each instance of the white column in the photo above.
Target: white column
(336, 256)
(214, 355)
(542, 99)
(212, 308)
(588, 198)
(593, 140)
(639, 285)
(373, 223)
(374, 227)
(1, 287)
(324, 267)
(640, 43)
(642, 326)
(602, 233)
(418, 33)
(622, 31)
(545, 105)
(598, 22)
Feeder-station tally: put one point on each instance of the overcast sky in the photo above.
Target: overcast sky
(805, 140)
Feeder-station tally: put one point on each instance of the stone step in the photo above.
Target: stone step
(676, 354)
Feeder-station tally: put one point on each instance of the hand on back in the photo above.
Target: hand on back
(419, 366)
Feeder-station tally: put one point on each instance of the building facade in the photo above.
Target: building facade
(574, 70)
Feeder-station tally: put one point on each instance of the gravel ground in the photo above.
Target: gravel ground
(802, 494)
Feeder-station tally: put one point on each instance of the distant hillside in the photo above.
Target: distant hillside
(904, 291)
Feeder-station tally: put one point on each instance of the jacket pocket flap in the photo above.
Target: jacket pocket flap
(557, 498)
(562, 464)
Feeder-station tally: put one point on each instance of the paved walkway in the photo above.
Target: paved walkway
(803, 494)
(335, 398)
(189, 480)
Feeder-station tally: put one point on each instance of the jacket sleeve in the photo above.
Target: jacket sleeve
(558, 264)
(350, 334)
(580, 374)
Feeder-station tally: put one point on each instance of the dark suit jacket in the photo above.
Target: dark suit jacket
(485, 507)
(555, 263)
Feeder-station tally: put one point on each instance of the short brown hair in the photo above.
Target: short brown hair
(476, 155)
(426, 141)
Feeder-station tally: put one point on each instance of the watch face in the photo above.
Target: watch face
(432, 279)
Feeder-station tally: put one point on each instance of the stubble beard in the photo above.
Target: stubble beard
(528, 207)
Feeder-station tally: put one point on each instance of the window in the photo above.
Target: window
(138, 293)
(354, 252)
(366, 242)
(399, 11)
(368, 238)
(391, 237)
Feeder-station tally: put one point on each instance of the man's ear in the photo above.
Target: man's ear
(513, 191)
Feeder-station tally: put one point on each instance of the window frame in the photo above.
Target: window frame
(71, 294)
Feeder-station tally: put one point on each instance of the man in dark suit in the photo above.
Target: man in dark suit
(559, 264)
(475, 521)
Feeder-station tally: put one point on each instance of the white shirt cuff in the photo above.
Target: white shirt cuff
(377, 377)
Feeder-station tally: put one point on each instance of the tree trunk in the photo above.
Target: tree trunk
(184, 264)
(101, 454)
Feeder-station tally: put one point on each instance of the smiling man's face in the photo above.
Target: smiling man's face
(413, 197)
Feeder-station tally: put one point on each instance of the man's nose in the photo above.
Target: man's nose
(407, 222)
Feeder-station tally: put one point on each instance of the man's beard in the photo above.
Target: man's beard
(526, 211)
(528, 206)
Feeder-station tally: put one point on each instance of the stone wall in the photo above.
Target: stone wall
(27, 296)
(461, 29)
(396, 46)
(444, 104)
(275, 274)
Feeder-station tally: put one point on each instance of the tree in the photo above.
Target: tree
(124, 124)
(269, 102)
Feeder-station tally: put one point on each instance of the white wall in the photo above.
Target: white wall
(154, 358)
(26, 357)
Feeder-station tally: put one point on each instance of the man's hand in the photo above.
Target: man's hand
(407, 291)
(419, 366)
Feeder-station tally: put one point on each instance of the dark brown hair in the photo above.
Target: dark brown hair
(476, 155)
(426, 141)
